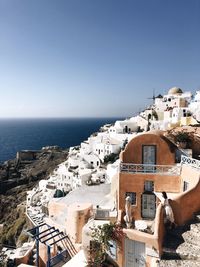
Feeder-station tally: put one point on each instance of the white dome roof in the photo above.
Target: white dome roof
(175, 91)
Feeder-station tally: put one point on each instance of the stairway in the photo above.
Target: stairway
(181, 245)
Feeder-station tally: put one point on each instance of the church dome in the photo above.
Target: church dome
(175, 91)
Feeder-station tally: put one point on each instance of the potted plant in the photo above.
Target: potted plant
(182, 139)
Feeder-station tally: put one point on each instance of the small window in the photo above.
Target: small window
(112, 252)
(149, 186)
(132, 195)
(185, 186)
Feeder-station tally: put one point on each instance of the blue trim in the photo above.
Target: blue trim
(37, 247)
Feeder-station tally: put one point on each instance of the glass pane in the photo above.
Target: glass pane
(149, 155)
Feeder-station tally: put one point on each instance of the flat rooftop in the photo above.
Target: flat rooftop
(94, 194)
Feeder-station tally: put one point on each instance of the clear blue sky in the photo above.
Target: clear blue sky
(88, 58)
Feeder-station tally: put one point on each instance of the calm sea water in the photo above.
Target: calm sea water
(20, 134)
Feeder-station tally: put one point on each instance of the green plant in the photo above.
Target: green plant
(102, 235)
(182, 137)
(59, 193)
(124, 144)
(111, 158)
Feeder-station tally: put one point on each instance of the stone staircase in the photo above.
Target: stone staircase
(181, 245)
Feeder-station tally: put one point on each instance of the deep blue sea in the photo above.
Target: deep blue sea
(33, 134)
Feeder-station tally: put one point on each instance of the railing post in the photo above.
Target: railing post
(48, 256)
(37, 246)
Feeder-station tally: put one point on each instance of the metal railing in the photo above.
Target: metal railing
(61, 257)
(147, 168)
(190, 161)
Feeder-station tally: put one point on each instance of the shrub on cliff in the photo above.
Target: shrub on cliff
(111, 158)
(11, 233)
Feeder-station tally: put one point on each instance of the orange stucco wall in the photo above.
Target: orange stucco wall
(188, 202)
(190, 175)
(43, 255)
(24, 259)
(135, 183)
(74, 217)
(78, 215)
(56, 207)
(152, 241)
(165, 154)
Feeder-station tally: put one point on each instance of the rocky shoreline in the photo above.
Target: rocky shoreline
(17, 176)
(29, 166)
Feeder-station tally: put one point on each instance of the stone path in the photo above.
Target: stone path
(182, 246)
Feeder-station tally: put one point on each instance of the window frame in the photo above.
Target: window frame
(150, 185)
(155, 150)
(185, 186)
(134, 199)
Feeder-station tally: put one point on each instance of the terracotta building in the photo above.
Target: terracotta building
(148, 167)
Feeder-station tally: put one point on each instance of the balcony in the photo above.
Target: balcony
(190, 161)
(147, 168)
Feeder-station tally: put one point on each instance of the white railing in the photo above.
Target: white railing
(190, 161)
(147, 168)
(102, 214)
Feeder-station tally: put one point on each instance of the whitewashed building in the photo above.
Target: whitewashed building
(92, 159)
(125, 126)
(175, 98)
(107, 146)
(111, 171)
(195, 106)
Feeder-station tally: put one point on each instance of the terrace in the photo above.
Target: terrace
(148, 168)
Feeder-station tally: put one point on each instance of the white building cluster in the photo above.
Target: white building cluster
(87, 164)
(176, 108)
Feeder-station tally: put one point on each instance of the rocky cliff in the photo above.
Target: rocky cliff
(16, 178)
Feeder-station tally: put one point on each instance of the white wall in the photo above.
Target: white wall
(112, 169)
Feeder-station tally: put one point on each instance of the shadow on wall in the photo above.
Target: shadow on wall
(186, 205)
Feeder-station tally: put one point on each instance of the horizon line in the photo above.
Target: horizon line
(86, 117)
